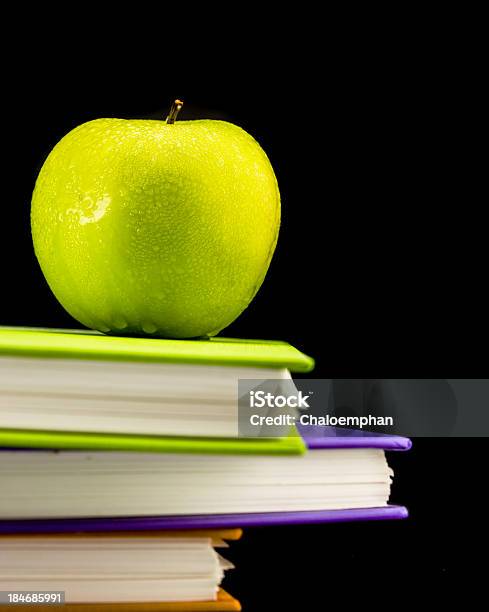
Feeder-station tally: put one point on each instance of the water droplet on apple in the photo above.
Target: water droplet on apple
(148, 327)
(120, 323)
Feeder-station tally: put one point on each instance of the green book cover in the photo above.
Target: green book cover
(66, 344)
(291, 445)
(31, 342)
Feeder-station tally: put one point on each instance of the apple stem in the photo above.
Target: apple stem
(176, 107)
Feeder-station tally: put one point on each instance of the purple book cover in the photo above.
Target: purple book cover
(335, 437)
(315, 437)
(203, 521)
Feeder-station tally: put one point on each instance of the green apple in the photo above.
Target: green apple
(154, 227)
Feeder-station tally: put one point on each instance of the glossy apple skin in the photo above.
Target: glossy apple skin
(143, 227)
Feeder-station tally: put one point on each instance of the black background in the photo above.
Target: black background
(380, 270)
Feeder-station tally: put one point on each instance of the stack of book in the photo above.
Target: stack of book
(121, 469)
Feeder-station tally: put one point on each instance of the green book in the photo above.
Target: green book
(25, 438)
(85, 390)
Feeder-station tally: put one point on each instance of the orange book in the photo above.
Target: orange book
(213, 534)
(223, 603)
(144, 569)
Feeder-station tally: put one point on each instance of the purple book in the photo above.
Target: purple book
(315, 437)
(203, 521)
(336, 437)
